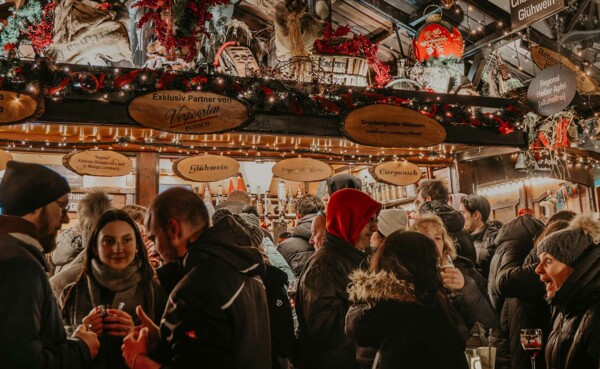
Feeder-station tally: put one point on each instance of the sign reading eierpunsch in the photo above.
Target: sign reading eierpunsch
(526, 12)
(188, 112)
(16, 107)
(552, 90)
(302, 170)
(206, 168)
(101, 163)
(399, 173)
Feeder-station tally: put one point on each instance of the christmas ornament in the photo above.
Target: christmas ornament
(448, 3)
(438, 40)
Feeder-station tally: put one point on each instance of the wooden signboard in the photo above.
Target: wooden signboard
(302, 170)
(392, 126)
(526, 12)
(544, 58)
(101, 163)
(188, 112)
(206, 168)
(399, 173)
(552, 90)
(5, 157)
(16, 107)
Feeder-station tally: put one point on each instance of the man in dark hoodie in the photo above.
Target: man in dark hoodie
(432, 197)
(297, 249)
(322, 297)
(217, 315)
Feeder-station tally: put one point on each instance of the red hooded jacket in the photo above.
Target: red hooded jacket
(348, 211)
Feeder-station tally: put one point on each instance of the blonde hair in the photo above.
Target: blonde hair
(449, 248)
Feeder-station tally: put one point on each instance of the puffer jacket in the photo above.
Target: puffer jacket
(297, 249)
(217, 314)
(574, 342)
(386, 316)
(515, 241)
(454, 222)
(485, 247)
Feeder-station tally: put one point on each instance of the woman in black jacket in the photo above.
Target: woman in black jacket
(400, 310)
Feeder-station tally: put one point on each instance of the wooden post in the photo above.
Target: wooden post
(146, 177)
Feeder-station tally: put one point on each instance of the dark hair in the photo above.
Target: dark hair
(136, 212)
(250, 209)
(433, 188)
(555, 226)
(309, 204)
(566, 215)
(178, 203)
(473, 203)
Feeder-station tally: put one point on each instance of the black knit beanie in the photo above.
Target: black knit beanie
(27, 187)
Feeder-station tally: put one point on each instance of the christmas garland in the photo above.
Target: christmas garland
(359, 45)
(17, 24)
(41, 34)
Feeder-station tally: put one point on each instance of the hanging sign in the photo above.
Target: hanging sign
(101, 163)
(73, 179)
(544, 58)
(16, 107)
(526, 12)
(5, 157)
(302, 170)
(392, 126)
(206, 168)
(552, 90)
(399, 173)
(188, 112)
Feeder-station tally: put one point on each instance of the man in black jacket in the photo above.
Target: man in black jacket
(297, 249)
(34, 202)
(217, 314)
(432, 197)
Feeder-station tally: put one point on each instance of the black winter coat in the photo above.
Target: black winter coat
(32, 334)
(515, 241)
(322, 303)
(387, 316)
(485, 247)
(296, 250)
(574, 341)
(217, 315)
(454, 222)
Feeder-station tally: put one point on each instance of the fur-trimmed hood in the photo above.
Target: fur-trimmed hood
(380, 286)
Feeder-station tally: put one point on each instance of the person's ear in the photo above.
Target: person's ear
(428, 199)
(173, 229)
(477, 215)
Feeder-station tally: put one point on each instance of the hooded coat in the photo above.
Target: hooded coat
(297, 249)
(217, 314)
(485, 247)
(322, 297)
(387, 316)
(454, 222)
(516, 311)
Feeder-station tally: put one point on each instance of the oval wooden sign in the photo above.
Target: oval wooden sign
(188, 112)
(392, 126)
(102, 163)
(206, 168)
(544, 58)
(15, 107)
(5, 157)
(400, 173)
(551, 90)
(302, 170)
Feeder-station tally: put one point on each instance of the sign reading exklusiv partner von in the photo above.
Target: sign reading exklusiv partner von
(383, 125)
(188, 112)
(302, 170)
(399, 173)
(551, 90)
(206, 168)
(526, 12)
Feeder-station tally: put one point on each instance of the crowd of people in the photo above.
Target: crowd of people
(183, 285)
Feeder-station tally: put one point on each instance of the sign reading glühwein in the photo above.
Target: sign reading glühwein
(302, 170)
(399, 173)
(526, 12)
(206, 168)
(15, 107)
(551, 90)
(392, 126)
(188, 112)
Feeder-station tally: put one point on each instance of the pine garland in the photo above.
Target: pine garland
(29, 14)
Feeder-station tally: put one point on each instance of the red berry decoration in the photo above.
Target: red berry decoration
(438, 40)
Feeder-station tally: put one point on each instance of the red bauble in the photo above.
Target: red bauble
(438, 40)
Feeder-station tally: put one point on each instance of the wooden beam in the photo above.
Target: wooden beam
(389, 12)
(146, 177)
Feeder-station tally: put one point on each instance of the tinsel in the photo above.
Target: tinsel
(18, 23)
(41, 34)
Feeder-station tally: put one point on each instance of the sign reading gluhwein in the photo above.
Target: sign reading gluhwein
(302, 170)
(188, 112)
(206, 168)
(102, 163)
(399, 173)
(15, 107)
(392, 126)
(526, 12)
(551, 90)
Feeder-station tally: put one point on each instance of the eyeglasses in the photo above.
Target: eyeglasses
(64, 209)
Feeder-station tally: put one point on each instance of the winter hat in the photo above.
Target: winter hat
(391, 220)
(477, 203)
(348, 211)
(253, 231)
(568, 244)
(250, 219)
(27, 187)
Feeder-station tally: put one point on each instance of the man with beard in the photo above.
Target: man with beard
(33, 201)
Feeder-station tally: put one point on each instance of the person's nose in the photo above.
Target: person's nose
(539, 269)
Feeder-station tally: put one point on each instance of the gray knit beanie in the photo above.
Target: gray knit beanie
(568, 244)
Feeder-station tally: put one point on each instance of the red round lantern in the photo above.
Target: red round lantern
(438, 40)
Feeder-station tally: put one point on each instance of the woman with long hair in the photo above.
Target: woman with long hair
(115, 278)
(400, 308)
